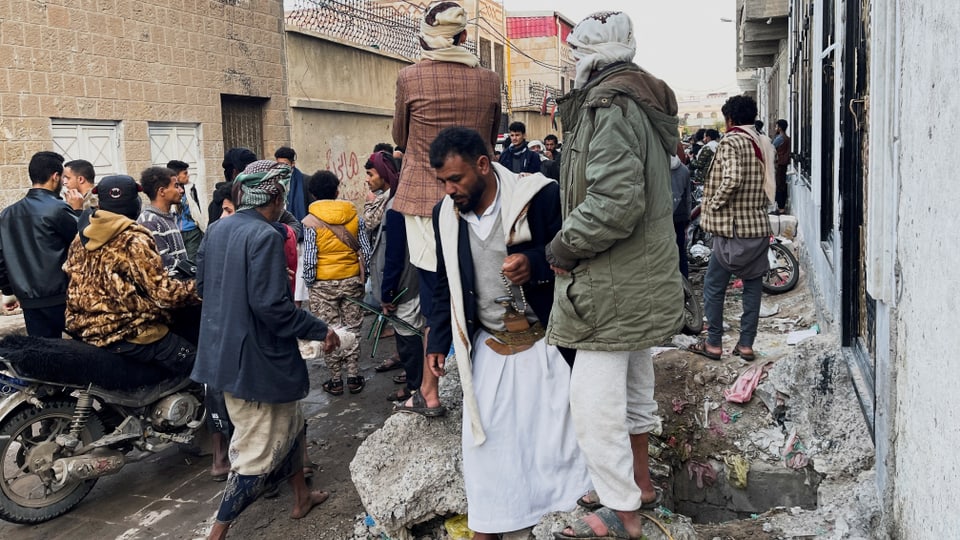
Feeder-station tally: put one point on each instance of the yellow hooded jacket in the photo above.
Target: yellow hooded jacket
(336, 260)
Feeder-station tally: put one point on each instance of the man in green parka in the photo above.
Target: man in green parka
(618, 288)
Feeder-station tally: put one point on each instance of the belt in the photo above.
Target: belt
(508, 343)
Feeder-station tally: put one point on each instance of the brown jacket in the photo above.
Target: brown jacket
(118, 288)
(431, 96)
(733, 196)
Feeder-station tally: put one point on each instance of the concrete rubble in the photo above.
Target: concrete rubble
(808, 455)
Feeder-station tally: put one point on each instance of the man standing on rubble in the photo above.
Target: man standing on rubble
(618, 290)
(494, 287)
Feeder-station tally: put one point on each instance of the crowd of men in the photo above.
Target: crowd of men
(549, 304)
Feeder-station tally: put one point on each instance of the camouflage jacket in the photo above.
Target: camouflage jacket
(118, 288)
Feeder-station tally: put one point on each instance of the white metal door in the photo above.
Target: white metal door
(94, 141)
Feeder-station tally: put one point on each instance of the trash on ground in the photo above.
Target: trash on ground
(703, 472)
(799, 335)
(737, 469)
(743, 388)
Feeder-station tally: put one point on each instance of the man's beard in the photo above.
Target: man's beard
(473, 197)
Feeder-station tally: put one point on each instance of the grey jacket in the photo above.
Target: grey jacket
(623, 292)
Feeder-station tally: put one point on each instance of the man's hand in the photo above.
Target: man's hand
(436, 361)
(516, 268)
(387, 307)
(558, 271)
(74, 198)
(331, 342)
(10, 303)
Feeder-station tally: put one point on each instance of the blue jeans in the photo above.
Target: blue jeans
(715, 290)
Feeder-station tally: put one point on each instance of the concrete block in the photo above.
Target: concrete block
(768, 485)
(784, 225)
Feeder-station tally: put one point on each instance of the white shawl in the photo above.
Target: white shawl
(441, 23)
(599, 40)
(515, 194)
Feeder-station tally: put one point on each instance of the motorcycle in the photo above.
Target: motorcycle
(71, 413)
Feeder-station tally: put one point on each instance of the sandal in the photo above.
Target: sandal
(418, 405)
(700, 347)
(591, 501)
(400, 395)
(400, 379)
(356, 384)
(608, 519)
(748, 356)
(389, 364)
(333, 387)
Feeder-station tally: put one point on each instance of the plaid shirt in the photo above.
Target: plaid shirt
(431, 96)
(733, 196)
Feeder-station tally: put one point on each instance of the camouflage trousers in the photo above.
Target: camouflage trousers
(328, 302)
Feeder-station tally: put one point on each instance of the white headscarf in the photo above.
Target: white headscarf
(599, 40)
(442, 21)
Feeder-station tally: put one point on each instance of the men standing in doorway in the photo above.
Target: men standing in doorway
(618, 291)
(446, 88)
(735, 212)
(518, 157)
(192, 221)
(35, 233)
(78, 179)
(782, 145)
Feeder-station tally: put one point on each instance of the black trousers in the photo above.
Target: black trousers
(47, 322)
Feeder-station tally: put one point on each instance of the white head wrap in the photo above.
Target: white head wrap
(599, 40)
(442, 21)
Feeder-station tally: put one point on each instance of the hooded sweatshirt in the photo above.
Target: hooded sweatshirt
(118, 288)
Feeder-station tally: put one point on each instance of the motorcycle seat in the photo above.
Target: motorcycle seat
(75, 363)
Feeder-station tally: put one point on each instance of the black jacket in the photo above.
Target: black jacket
(35, 233)
(527, 161)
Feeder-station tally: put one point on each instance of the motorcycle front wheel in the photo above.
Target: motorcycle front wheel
(30, 497)
(784, 271)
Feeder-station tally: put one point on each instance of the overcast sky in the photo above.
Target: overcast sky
(683, 42)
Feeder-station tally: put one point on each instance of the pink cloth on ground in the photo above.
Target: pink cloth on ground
(746, 383)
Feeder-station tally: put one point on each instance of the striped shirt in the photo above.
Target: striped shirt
(166, 233)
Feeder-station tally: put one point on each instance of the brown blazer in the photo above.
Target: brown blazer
(431, 96)
(733, 196)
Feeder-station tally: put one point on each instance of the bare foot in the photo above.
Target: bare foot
(300, 510)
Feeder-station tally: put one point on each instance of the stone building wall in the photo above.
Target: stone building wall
(132, 66)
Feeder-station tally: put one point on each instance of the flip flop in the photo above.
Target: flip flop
(609, 519)
(595, 503)
(700, 347)
(749, 357)
(219, 477)
(418, 405)
(389, 364)
(400, 395)
(400, 379)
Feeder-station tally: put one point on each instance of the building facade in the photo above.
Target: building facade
(127, 84)
(867, 91)
(541, 68)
